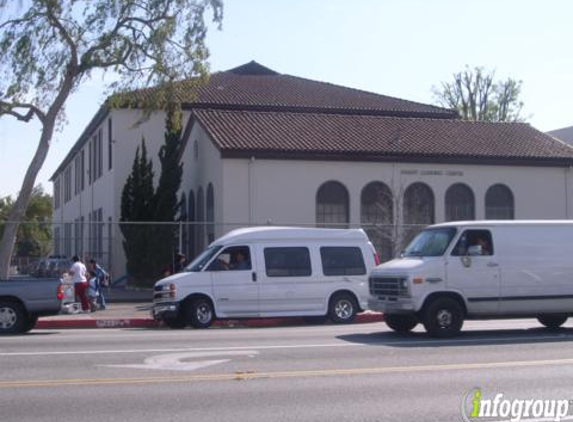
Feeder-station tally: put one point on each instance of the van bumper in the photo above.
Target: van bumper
(391, 306)
(165, 310)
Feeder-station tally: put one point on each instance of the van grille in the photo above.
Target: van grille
(388, 287)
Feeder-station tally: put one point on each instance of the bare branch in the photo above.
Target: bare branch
(7, 108)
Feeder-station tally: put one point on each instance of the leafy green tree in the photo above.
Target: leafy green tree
(51, 47)
(137, 200)
(478, 97)
(166, 203)
(34, 234)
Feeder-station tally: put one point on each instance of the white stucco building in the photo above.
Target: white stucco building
(262, 147)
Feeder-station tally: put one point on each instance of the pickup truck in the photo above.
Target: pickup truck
(22, 301)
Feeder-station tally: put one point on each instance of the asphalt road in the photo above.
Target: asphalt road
(311, 373)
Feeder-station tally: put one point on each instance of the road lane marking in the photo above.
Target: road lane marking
(174, 361)
(253, 375)
(343, 343)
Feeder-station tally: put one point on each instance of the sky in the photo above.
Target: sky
(400, 48)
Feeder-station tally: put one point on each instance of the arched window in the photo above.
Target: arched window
(191, 251)
(499, 204)
(460, 203)
(181, 238)
(210, 214)
(377, 217)
(418, 210)
(200, 220)
(332, 208)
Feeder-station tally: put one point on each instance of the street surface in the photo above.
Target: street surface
(307, 373)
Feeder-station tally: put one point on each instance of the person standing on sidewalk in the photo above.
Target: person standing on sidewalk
(78, 272)
(102, 278)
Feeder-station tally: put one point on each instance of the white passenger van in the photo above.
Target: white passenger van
(270, 272)
(478, 270)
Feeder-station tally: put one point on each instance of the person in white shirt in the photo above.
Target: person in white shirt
(78, 272)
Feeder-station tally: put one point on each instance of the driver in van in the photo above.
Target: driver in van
(485, 248)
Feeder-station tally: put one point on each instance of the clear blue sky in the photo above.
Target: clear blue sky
(395, 47)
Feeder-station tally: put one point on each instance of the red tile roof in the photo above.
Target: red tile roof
(255, 87)
(359, 137)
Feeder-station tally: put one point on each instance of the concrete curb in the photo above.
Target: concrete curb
(80, 323)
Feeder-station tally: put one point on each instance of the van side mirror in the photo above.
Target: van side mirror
(475, 250)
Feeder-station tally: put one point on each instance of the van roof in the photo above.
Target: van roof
(489, 223)
(267, 233)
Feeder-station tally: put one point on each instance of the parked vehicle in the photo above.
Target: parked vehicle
(23, 301)
(270, 272)
(52, 267)
(478, 270)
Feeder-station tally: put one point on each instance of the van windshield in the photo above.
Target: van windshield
(199, 263)
(431, 242)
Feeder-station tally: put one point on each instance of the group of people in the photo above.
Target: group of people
(88, 282)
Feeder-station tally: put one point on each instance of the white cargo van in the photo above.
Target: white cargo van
(270, 272)
(478, 270)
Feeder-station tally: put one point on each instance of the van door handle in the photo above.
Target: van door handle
(492, 264)
(254, 276)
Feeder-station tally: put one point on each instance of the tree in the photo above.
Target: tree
(34, 235)
(50, 47)
(137, 200)
(478, 97)
(166, 203)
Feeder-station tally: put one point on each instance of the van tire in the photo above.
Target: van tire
(552, 321)
(401, 323)
(443, 318)
(199, 312)
(342, 308)
(12, 317)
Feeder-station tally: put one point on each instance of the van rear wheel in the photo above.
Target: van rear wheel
(343, 308)
(552, 321)
(443, 318)
(401, 323)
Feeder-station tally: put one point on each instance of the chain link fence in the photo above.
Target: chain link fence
(147, 250)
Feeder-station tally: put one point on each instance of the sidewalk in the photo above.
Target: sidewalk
(132, 309)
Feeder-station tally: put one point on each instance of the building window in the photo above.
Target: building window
(460, 203)
(499, 203)
(83, 170)
(57, 193)
(332, 209)
(96, 229)
(68, 239)
(377, 217)
(418, 210)
(109, 146)
(196, 150)
(68, 184)
(77, 174)
(200, 219)
(210, 214)
(191, 251)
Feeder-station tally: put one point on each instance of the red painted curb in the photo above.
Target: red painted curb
(52, 324)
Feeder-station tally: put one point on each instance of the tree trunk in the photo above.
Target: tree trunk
(19, 209)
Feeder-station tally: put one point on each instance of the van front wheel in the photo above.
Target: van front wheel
(401, 323)
(443, 318)
(200, 313)
(552, 321)
(342, 309)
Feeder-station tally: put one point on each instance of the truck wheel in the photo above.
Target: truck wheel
(343, 308)
(401, 323)
(12, 317)
(552, 321)
(30, 323)
(443, 318)
(200, 313)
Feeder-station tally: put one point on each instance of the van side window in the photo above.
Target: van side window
(287, 262)
(342, 261)
(234, 258)
(474, 242)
